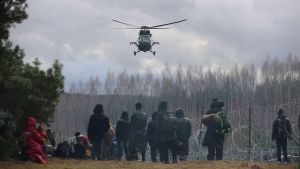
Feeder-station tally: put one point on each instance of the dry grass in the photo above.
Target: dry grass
(89, 164)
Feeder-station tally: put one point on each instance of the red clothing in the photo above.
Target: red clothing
(34, 142)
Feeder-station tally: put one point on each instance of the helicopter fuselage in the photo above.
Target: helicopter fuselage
(144, 43)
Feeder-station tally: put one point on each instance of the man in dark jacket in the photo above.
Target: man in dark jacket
(152, 137)
(281, 132)
(183, 133)
(122, 134)
(98, 126)
(212, 139)
(139, 132)
(166, 125)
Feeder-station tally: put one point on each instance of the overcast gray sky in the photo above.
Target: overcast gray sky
(217, 33)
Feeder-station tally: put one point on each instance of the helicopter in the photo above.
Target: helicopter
(144, 42)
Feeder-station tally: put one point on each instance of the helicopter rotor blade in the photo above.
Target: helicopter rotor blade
(125, 23)
(124, 28)
(157, 28)
(167, 23)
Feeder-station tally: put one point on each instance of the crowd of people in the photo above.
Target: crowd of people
(166, 133)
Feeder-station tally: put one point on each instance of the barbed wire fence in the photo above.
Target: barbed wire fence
(236, 143)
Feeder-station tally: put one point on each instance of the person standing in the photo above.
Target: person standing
(123, 129)
(166, 125)
(281, 131)
(215, 133)
(139, 132)
(183, 133)
(152, 137)
(97, 128)
(107, 144)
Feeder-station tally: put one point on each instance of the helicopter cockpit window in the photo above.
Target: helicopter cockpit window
(145, 38)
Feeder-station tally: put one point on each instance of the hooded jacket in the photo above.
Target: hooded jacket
(34, 142)
(98, 126)
(184, 130)
(123, 129)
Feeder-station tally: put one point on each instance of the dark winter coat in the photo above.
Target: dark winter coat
(184, 130)
(123, 129)
(152, 132)
(98, 126)
(211, 137)
(138, 138)
(167, 125)
(34, 142)
(281, 128)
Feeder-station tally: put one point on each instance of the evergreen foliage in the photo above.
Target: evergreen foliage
(25, 89)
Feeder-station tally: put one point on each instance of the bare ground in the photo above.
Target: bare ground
(89, 164)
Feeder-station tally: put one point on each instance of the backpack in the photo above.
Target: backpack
(139, 120)
(224, 127)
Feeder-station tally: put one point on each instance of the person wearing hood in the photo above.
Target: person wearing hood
(123, 131)
(213, 139)
(97, 128)
(33, 142)
(183, 133)
(281, 131)
(167, 125)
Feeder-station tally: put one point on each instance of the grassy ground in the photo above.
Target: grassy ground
(89, 164)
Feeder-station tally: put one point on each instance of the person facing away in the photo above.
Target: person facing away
(213, 139)
(123, 129)
(139, 132)
(183, 133)
(166, 125)
(281, 131)
(107, 144)
(152, 138)
(97, 128)
(33, 142)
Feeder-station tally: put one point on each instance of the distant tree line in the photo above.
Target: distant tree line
(274, 85)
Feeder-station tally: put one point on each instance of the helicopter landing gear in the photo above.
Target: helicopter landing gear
(155, 43)
(153, 52)
(135, 52)
(132, 43)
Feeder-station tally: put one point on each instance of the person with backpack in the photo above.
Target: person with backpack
(167, 125)
(215, 132)
(138, 141)
(152, 137)
(281, 131)
(97, 128)
(123, 129)
(183, 133)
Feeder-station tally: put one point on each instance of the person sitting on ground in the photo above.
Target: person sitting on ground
(33, 142)
(42, 132)
(81, 146)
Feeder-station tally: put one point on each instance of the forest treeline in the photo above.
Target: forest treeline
(244, 88)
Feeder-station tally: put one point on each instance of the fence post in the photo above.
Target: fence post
(250, 118)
